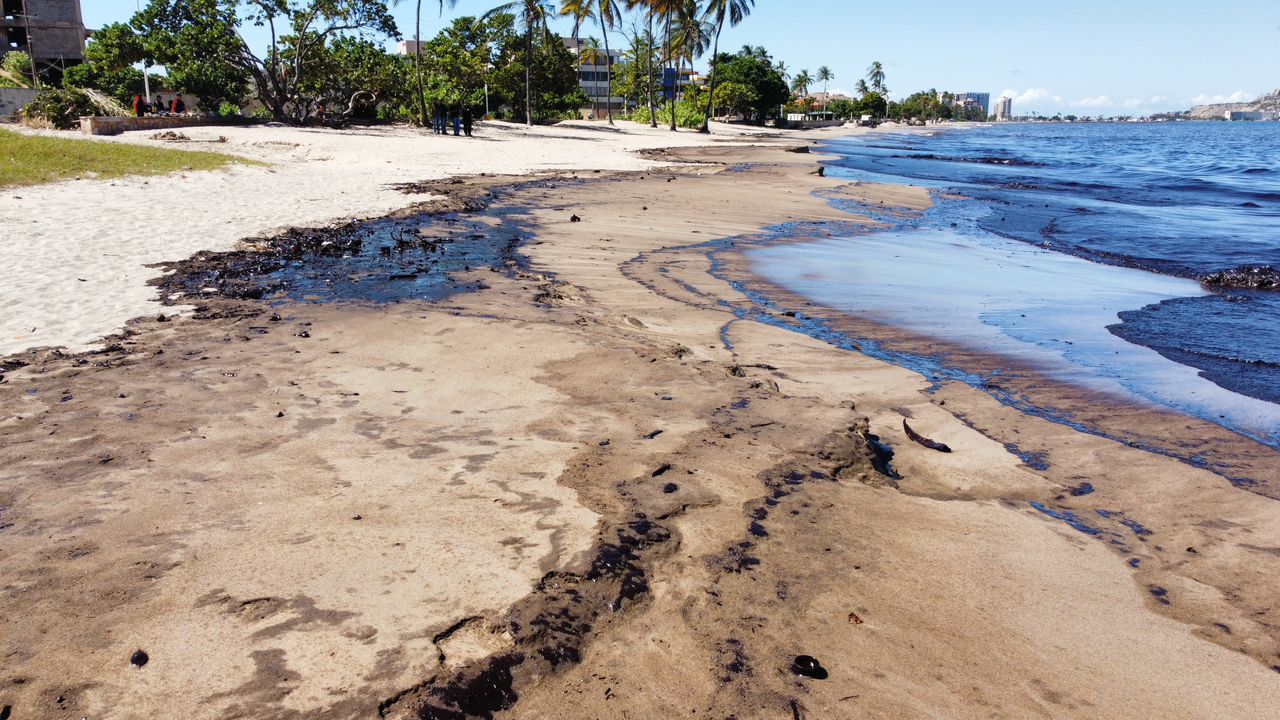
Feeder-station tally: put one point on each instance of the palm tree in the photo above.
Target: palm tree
(591, 54)
(801, 82)
(875, 76)
(581, 11)
(783, 71)
(861, 88)
(608, 14)
(825, 76)
(417, 58)
(719, 12)
(692, 34)
(533, 16)
(652, 8)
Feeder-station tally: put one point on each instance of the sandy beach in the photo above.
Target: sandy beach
(595, 481)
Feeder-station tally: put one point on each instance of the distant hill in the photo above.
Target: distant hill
(1215, 112)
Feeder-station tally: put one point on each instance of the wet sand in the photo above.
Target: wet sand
(591, 490)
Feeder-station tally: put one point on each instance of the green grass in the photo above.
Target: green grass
(32, 160)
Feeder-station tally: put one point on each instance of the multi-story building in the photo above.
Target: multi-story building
(1004, 109)
(50, 31)
(974, 99)
(593, 76)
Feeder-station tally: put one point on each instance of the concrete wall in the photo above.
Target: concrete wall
(14, 99)
(117, 125)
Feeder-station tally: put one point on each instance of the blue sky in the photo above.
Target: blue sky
(1085, 57)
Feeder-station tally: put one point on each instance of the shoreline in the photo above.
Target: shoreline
(554, 409)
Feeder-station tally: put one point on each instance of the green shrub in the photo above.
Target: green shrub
(61, 108)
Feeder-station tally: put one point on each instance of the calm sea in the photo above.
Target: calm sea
(1080, 252)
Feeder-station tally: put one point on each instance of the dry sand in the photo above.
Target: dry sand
(76, 253)
(464, 509)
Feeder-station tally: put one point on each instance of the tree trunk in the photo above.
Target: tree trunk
(711, 98)
(653, 111)
(675, 80)
(417, 67)
(608, 70)
(528, 76)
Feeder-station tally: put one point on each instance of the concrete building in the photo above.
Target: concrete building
(50, 31)
(593, 77)
(974, 99)
(1244, 115)
(1004, 109)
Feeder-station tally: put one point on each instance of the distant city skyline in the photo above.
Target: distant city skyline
(1090, 57)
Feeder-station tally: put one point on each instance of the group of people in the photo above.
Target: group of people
(442, 117)
(157, 106)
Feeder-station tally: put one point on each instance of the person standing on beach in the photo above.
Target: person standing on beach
(139, 107)
(466, 120)
(457, 121)
(179, 106)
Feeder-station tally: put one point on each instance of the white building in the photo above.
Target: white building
(593, 77)
(1004, 109)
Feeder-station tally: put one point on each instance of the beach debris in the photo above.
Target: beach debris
(917, 437)
(1256, 277)
(662, 470)
(357, 517)
(808, 666)
(5, 712)
(139, 658)
(1081, 490)
(854, 619)
(670, 488)
(653, 435)
(574, 219)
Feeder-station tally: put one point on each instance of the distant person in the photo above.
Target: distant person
(179, 106)
(139, 106)
(437, 119)
(457, 122)
(466, 120)
(157, 105)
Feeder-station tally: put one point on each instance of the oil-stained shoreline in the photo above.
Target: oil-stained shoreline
(600, 367)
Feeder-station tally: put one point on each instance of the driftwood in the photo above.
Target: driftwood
(932, 445)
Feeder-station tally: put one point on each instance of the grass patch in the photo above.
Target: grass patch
(32, 160)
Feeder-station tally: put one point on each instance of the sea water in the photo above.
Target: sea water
(1078, 253)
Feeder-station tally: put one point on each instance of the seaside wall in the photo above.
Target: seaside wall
(14, 99)
(117, 125)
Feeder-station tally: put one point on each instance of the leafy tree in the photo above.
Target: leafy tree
(17, 70)
(635, 79)
(719, 13)
(417, 58)
(843, 108)
(460, 56)
(119, 84)
(347, 65)
(199, 42)
(755, 71)
(546, 88)
(533, 15)
(736, 98)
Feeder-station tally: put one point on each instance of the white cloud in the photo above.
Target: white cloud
(1157, 99)
(1032, 96)
(1238, 96)
(1098, 101)
(1133, 103)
